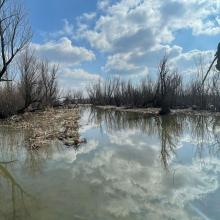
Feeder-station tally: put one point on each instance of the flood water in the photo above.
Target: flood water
(132, 167)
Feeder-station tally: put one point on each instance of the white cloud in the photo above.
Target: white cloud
(76, 78)
(63, 52)
(103, 4)
(140, 62)
(129, 31)
(189, 62)
(67, 30)
(87, 16)
(80, 74)
(132, 35)
(69, 57)
(132, 24)
(119, 63)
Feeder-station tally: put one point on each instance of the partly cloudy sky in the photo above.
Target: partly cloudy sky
(95, 39)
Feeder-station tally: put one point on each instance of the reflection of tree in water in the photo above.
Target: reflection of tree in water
(14, 200)
(12, 147)
(15, 156)
(170, 129)
(204, 130)
(118, 120)
(11, 144)
(201, 132)
(215, 147)
(35, 160)
(15, 197)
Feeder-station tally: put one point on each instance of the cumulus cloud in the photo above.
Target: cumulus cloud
(120, 64)
(63, 52)
(133, 36)
(76, 78)
(192, 62)
(129, 31)
(127, 24)
(80, 74)
(141, 62)
(103, 4)
(67, 30)
(87, 16)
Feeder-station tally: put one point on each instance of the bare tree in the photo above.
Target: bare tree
(52, 84)
(48, 87)
(15, 33)
(37, 84)
(168, 88)
(28, 66)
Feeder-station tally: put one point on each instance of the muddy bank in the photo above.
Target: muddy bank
(47, 126)
(155, 111)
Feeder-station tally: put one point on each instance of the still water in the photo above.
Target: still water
(133, 167)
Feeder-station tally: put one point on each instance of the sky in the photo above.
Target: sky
(93, 40)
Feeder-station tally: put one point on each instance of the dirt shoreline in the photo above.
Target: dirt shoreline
(155, 111)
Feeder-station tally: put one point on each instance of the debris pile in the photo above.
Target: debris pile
(50, 125)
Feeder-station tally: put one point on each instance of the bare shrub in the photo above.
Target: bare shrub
(11, 100)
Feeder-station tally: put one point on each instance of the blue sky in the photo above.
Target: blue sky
(95, 39)
(47, 16)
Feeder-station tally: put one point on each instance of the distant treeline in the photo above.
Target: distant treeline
(167, 92)
(35, 87)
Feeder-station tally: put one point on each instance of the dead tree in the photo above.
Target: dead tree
(48, 87)
(162, 86)
(169, 83)
(15, 34)
(52, 84)
(28, 66)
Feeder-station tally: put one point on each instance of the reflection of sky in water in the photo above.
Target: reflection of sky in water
(120, 173)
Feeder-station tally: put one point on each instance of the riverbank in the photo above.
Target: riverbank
(155, 111)
(49, 125)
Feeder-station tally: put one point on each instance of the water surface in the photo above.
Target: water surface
(133, 167)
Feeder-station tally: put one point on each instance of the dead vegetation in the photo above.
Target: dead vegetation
(168, 91)
(47, 126)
